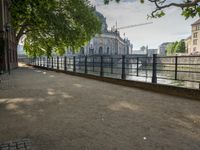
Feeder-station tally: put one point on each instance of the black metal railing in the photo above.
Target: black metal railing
(176, 69)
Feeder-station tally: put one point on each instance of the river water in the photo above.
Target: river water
(144, 74)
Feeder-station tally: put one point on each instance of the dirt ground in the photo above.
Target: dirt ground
(62, 112)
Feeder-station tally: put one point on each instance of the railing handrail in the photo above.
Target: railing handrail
(125, 64)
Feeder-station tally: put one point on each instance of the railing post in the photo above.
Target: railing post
(93, 63)
(123, 76)
(74, 63)
(65, 63)
(57, 63)
(86, 65)
(137, 66)
(176, 67)
(39, 61)
(52, 62)
(154, 69)
(111, 65)
(101, 66)
(43, 61)
(47, 62)
(60, 62)
(41, 64)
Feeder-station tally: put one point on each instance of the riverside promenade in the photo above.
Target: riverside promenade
(55, 111)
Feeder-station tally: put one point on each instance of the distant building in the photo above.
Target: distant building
(145, 51)
(139, 52)
(188, 44)
(162, 49)
(109, 42)
(20, 50)
(150, 52)
(193, 42)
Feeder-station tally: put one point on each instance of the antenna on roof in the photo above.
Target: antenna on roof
(116, 25)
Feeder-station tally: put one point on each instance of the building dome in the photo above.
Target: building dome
(103, 21)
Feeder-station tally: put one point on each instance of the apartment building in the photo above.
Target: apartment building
(193, 42)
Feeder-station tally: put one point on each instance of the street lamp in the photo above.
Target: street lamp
(8, 29)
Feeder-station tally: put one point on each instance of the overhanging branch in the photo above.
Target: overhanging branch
(160, 5)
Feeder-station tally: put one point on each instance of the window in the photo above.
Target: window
(195, 42)
(194, 49)
(108, 50)
(196, 27)
(91, 51)
(100, 50)
(195, 35)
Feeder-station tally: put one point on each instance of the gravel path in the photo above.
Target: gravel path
(62, 112)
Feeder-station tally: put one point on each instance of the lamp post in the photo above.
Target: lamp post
(8, 28)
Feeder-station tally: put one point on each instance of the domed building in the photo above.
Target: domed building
(108, 42)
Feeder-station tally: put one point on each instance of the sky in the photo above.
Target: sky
(169, 28)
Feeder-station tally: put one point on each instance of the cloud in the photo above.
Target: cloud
(171, 27)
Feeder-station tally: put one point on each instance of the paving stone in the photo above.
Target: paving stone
(4, 148)
(3, 145)
(21, 149)
(12, 144)
(21, 144)
(28, 148)
(12, 148)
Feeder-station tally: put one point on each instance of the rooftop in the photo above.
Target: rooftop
(196, 22)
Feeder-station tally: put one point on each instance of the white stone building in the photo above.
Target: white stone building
(108, 42)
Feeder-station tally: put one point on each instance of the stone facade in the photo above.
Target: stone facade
(108, 42)
(188, 45)
(193, 42)
(8, 49)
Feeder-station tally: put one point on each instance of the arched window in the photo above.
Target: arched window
(100, 50)
(108, 50)
(91, 51)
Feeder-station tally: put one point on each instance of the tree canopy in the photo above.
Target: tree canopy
(180, 47)
(190, 8)
(176, 47)
(53, 25)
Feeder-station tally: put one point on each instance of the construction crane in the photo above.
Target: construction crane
(131, 26)
(135, 25)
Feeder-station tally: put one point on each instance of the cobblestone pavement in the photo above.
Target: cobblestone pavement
(22, 144)
(5, 81)
(57, 111)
